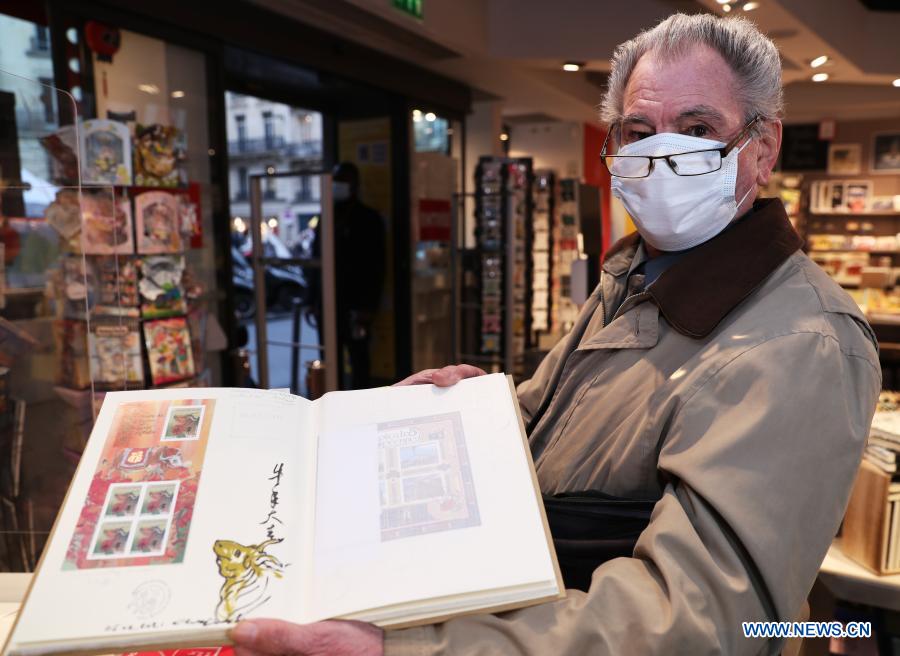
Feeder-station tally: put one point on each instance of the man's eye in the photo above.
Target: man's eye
(635, 135)
(698, 131)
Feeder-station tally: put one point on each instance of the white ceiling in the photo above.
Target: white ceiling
(514, 49)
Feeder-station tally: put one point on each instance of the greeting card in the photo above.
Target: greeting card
(158, 222)
(159, 153)
(106, 153)
(169, 350)
(106, 222)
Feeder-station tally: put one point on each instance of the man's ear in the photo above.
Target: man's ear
(767, 153)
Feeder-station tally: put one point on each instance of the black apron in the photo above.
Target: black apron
(589, 528)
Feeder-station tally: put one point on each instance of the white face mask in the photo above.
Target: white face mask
(340, 190)
(675, 212)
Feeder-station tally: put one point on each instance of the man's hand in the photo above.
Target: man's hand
(449, 375)
(330, 638)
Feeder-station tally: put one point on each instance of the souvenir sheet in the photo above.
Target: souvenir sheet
(425, 480)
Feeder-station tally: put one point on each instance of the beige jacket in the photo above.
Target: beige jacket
(738, 392)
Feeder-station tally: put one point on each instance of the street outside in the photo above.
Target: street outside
(280, 329)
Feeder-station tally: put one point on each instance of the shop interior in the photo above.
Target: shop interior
(182, 195)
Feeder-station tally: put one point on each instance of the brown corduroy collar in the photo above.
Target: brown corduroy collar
(709, 281)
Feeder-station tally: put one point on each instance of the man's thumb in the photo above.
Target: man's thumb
(270, 636)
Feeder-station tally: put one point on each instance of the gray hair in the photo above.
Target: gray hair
(750, 54)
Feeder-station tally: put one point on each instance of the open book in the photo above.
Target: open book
(194, 508)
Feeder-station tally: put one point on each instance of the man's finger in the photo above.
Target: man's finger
(421, 378)
(452, 374)
(272, 637)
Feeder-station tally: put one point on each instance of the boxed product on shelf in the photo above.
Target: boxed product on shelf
(845, 268)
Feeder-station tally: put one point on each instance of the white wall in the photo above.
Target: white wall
(558, 146)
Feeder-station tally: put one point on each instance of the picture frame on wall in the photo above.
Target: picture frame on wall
(844, 159)
(886, 153)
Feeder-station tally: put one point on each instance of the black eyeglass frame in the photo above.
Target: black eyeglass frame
(723, 153)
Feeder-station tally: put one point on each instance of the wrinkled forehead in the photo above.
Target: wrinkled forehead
(663, 87)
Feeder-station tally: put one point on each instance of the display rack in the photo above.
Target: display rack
(544, 223)
(565, 251)
(494, 280)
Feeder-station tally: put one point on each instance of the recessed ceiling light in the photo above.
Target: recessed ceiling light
(178, 94)
(896, 82)
(572, 67)
(430, 116)
(504, 136)
(820, 77)
(750, 6)
(152, 89)
(723, 2)
(818, 61)
(726, 8)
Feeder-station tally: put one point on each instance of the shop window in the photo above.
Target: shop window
(269, 129)
(243, 190)
(430, 132)
(75, 268)
(270, 187)
(241, 122)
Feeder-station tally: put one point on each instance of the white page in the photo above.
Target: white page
(484, 536)
(100, 586)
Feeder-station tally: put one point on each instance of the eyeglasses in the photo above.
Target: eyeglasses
(695, 162)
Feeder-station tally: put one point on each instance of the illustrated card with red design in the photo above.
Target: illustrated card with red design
(141, 500)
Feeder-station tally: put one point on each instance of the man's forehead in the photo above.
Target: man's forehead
(696, 82)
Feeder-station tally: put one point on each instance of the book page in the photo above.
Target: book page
(422, 492)
(184, 514)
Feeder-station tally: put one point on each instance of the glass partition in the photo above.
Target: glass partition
(47, 295)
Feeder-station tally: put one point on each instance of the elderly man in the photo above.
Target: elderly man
(715, 371)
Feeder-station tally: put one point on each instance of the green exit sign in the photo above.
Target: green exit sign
(412, 7)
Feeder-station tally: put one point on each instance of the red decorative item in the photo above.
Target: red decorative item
(102, 39)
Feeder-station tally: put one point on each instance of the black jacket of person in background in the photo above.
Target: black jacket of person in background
(359, 239)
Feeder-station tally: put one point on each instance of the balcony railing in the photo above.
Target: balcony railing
(279, 145)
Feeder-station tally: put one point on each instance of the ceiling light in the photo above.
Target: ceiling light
(726, 8)
(572, 67)
(820, 77)
(896, 82)
(430, 116)
(178, 94)
(273, 223)
(270, 170)
(818, 61)
(417, 115)
(148, 88)
(723, 2)
(750, 6)
(504, 136)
